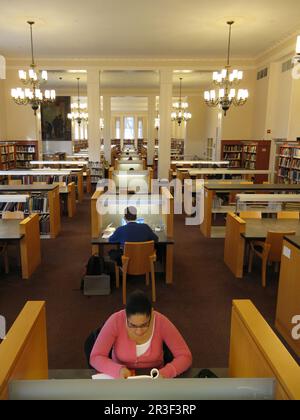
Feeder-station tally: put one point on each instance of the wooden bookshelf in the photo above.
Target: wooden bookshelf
(7, 156)
(25, 151)
(47, 208)
(288, 169)
(251, 155)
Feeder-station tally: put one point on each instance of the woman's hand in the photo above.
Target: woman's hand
(125, 373)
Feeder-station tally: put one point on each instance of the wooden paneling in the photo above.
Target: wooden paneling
(71, 199)
(205, 227)
(256, 352)
(288, 300)
(54, 209)
(234, 247)
(24, 353)
(30, 245)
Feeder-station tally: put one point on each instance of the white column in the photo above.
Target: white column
(151, 129)
(93, 97)
(122, 131)
(107, 127)
(38, 133)
(165, 109)
(136, 131)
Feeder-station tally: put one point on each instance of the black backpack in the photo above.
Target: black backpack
(95, 266)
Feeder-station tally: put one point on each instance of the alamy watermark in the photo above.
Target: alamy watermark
(135, 191)
(2, 327)
(296, 329)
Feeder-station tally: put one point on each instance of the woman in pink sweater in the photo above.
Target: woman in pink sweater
(136, 336)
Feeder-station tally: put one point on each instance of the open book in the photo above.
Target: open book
(154, 374)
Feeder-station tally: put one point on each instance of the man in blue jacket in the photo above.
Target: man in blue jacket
(131, 232)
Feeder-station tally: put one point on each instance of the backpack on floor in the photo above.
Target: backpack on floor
(95, 266)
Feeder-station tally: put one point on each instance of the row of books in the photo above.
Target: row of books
(45, 224)
(34, 204)
(250, 149)
(232, 156)
(250, 157)
(234, 164)
(289, 163)
(11, 207)
(249, 165)
(7, 158)
(23, 149)
(22, 156)
(290, 152)
(233, 149)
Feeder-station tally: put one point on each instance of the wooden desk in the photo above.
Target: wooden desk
(165, 216)
(53, 201)
(288, 300)
(27, 234)
(238, 231)
(213, 187)
(68, 192)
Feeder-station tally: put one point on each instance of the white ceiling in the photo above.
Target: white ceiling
(144, 28)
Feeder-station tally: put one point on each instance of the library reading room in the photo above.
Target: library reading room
(150, 202)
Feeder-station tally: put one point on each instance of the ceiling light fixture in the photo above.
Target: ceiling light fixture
(32, 95)
(297, 56)
(179, 114)
(226, 81)
(78, 110)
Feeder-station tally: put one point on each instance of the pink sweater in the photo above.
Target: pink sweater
(114, 334)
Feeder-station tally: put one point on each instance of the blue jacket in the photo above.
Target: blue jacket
(133, 232)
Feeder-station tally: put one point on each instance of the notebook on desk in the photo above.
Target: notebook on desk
(109, 230)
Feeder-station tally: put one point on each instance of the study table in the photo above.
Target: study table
(238, 231)
(156, 210)
(27, 234)
(212, 188)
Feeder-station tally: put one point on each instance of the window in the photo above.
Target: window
(140, 128)
(129, 128)
(118, 128)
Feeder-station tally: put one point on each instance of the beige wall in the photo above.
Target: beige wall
(237, 125)
(294, 121)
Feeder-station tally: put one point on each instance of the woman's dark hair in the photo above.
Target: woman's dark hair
(138, 303)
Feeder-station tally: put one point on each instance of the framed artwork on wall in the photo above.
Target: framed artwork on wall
(55, 123)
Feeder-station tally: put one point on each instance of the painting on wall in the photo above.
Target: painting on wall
(55, 123)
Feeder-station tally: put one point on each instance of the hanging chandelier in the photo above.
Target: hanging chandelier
(179, 114)
(32, 95)
(226, 81)
(78, 111)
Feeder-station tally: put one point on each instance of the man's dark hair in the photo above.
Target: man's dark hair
(138, 303)
(130, 214)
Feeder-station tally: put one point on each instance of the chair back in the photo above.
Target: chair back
(275, 239)
(288, 215)
(250, 214)
(12, 215)
(138, 254)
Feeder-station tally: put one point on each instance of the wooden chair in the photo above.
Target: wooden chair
(138, 259)
(293, 215)
(250, 214)
(268, 251)
(12, 215)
